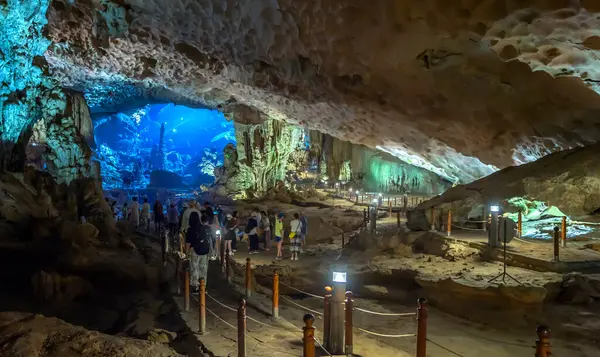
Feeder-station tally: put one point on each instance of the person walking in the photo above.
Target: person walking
(234, 217)
(125, 212)
(265, 223)
(303, 230)
(173, 218)
(159, 217)
(134, 214)
(295, 240)
(252, 231)
(230, 233)
(279, 234)
(198, 238)
(145, 215)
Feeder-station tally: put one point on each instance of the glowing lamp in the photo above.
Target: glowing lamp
(357, 191)
(218, 231)
(339, 277)
(494, 208)
(374, 200)
(380, 195)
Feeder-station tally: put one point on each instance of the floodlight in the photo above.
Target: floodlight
(339, 277)
(494, 208)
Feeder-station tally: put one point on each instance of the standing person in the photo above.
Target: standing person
(234, 216)
(145, 215)
(279, 234)
(295, 240)
(210, 214)
(220, 217)
(125, 212)
(230, 234)
(252, 231)
(303, 229)
(134, 215)
(197, 239)
(173, 218)
(159, 216)
(266, 226)
(185, 217)
(113, 208)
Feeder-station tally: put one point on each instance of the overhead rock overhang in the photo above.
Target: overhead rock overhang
(416, 79)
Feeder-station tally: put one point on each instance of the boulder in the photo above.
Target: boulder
(26, 334)
(576, 289)
(62, 288)
(161, 336)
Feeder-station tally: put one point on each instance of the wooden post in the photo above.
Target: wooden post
(186, 291)
(309, 336)
(348, 329)
(343, 240)
(395, 204)
(227, 267)
(449, 224)
(398, 219)
(542, 344)
(222, 255)
(327, 316)
(433, 218)
(178, 274)
(563, 232)
(365, 215)
(520, 225)
(556, 244)
(202, 308)
(390, 207)
(275, 312)
(422, 327)
(241, 329)
(248, 278)
(484, 219)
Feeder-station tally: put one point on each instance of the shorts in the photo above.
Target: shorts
(296, 242)
(277, 239)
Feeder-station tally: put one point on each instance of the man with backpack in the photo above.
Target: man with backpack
(198, 238)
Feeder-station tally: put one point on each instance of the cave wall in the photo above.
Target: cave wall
(370, 169)
(27, 92)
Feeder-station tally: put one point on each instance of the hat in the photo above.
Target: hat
(280, 215)
(254, 214)
(229, 216)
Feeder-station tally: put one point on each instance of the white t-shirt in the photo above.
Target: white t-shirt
(266, 223)
(295, 226)
(146, 210)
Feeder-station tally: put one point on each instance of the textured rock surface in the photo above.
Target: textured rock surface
(569, 180)
(35, 336)
(446, 85)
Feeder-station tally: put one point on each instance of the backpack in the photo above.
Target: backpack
(202, 243)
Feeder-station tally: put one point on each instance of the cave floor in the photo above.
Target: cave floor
(448, 335)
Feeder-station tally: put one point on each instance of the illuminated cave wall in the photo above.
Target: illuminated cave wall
(370, 169)
(27, 92)
(161, 145)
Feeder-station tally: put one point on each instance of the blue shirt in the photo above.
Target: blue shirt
(304, 222)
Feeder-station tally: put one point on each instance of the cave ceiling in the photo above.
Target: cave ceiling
(460, 87)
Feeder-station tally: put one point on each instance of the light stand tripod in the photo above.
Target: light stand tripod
(504, 274)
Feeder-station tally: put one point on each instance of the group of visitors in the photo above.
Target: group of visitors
(259, 225)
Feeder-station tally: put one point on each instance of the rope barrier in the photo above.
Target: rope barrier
(321, 346)
(300, 291)
(384, 335)
(446, 349)
(234, 310)
(465, 228)
(386, 313)
(300, 306)
(220, 303)
(222, 320)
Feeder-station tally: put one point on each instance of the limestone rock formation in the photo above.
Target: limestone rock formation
(55, 287)
(457, 87)
(569, 180)
(35, 335)
(370, 169)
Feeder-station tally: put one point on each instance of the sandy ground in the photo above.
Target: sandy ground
(448, 335)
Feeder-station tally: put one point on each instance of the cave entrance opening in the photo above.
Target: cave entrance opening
(162, 146)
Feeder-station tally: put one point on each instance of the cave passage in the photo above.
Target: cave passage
(161, 145)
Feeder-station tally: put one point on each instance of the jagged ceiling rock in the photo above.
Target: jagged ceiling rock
(446, 85)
